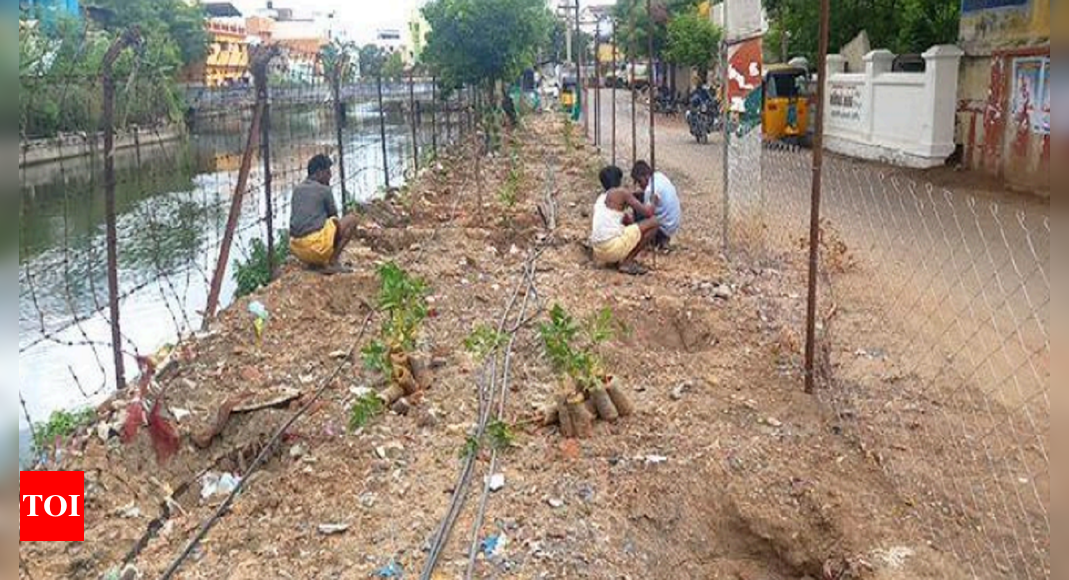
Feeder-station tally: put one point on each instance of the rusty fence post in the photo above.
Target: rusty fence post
(415, 129)
(615, 83)
(814, 218)
(634, 95)
(340, 120)
(259, 67)
(653, 141)
(263, 99)
(129, 38)
(382, 136)
(597, 85)
(434, 116)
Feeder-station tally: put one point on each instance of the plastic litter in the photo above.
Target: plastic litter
(494, 545)
(260, 315)
(218, 484)
(391, 570)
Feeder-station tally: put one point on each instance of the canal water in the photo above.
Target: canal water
(172, 200)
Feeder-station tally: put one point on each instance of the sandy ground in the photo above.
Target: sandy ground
(727, 470)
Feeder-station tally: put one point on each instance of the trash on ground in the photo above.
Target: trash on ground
(494, 545)
(218, 484)
(333, 529)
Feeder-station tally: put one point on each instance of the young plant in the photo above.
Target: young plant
(254, 272)
(501, 435)
(60, 426)
(364, 410)
(470, 448)
(484, 341)
(572, 347)
(403, 301)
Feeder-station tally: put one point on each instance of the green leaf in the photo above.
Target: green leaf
(364, 410)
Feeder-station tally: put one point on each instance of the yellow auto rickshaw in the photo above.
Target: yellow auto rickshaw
(785, 107)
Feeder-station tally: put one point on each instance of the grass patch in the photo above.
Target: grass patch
(253, 272)
(364, 410)
(60, 426)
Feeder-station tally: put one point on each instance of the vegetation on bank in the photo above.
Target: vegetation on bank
(60, 89)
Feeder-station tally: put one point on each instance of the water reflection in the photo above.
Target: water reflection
(172, 201)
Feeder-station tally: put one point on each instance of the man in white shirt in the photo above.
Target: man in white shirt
(661, 195)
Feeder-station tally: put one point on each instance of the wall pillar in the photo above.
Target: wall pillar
(942, 71)
(877, 62)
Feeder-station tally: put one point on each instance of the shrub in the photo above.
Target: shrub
(254, 272)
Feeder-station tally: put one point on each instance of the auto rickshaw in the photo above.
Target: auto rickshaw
(785, 106)
(569, 96)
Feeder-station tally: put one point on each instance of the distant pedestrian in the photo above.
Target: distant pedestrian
(317, 232)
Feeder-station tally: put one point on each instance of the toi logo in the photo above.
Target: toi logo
(51, 506)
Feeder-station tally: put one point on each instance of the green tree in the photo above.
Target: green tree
(635, 16)
(902, 26)
(692, 41)
(338, 54)
(394, 68)
(372, 59)
(173, 29)
(477, 42)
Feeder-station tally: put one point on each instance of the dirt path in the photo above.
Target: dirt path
(940, 348)
(727, 470)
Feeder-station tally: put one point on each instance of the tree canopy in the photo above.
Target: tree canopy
(634, 18)
(692, 41)
(173, 30)
(902, 26)
(476, 42)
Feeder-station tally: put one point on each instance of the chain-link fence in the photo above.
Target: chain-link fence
(935, 347)
(182, 158)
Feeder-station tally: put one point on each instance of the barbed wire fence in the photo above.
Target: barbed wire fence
(934, 341)
(178, 153)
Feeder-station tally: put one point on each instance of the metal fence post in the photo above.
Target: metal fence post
(263, 99)
(382, 135)
(634, 96)
(597, 85)
(653, 141)
(434, 116)
(130, 37)
(412, 112)
(615, 82)
(259, 66)
(814, 218)
(725, 115)
(339, 127)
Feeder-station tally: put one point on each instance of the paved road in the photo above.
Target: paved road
(949, 288)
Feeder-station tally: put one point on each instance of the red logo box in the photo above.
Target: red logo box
(51, 506)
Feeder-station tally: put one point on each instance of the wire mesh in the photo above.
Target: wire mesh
(935, 341)
(178, 154)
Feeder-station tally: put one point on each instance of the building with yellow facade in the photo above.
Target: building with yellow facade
(226, 62)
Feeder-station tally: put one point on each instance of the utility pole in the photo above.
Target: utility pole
(814, 219)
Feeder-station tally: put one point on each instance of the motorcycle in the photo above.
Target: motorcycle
(702, 116)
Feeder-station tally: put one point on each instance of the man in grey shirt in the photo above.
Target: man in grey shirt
(317, 232)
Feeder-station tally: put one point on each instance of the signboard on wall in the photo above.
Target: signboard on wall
(844, 101)
(976, 5)
(1031, 94)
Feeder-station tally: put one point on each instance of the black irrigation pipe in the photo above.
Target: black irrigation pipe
(262, 457)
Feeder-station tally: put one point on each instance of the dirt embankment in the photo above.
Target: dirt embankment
(726, 471)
